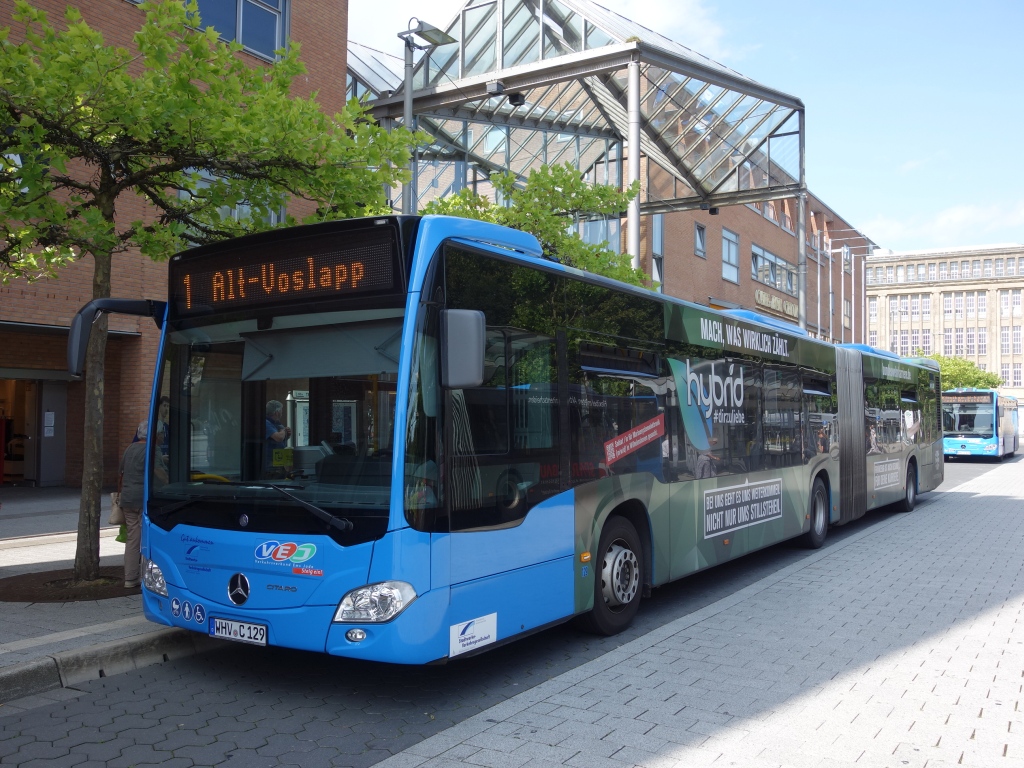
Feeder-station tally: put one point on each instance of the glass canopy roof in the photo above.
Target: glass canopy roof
(529, 82)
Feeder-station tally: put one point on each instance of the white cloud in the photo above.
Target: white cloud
(951, 227)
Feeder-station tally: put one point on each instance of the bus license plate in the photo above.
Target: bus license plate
(243, 632)
(963, 453)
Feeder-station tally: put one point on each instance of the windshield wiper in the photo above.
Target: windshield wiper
(341, 523)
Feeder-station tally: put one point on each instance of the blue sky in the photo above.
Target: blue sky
(914, 108)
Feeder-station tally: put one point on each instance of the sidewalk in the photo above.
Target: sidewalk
(45, 648)
(900, 645)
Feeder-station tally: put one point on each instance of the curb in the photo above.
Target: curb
(71, 668)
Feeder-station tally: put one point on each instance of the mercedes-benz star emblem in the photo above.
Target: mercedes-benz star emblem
(238, 589)
(243, 520)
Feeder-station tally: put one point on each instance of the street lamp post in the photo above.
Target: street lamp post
(433, 37)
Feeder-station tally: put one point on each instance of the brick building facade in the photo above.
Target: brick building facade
(40, 408)
(747, 256)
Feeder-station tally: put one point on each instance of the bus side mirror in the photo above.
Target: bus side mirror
(462, 348)
(81, 324)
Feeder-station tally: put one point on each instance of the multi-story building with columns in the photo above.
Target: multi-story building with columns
(962, 302)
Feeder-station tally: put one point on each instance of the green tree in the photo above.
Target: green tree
(956, 372)
(553, 198)
(182, 122)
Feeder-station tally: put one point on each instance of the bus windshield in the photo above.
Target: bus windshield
(275, 418)
(967, 419)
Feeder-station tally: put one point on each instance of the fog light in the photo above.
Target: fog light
(355, 635)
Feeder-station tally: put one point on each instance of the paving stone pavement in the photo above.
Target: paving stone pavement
(895, 646)
(903, 647)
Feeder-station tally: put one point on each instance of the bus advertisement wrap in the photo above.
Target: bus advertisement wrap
(740, 506)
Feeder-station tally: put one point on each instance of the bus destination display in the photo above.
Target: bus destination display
(245, 280)
(967, 399)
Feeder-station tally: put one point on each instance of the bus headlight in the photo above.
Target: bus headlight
(153, 577)
(375, 603)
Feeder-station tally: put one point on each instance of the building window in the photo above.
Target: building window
(1004, 373)
(1016, 340)
(1011, 267)
(920, 273)
(965, 269)
(1004, 340)
(904, 307)
(926, 342)
(847, 313)
(983, 341)
(1016, 375)
(999, 267)
(894, 342)
(970, 305)
(959, 304)
(915, 341)
(947, 342)
(931, 271)
(730, 256)
(942, 270)
(873, 308)
(976, 268)
(872, 338)
(767, 268)
(700, 241)
(893, 304)
(947, 305)
(1016, 302)
(658, 251)
(899, 274)
(258, 26)
(904, 342)
(959, 349)
(982, 305)
(1004, 303)
(970, 341)
(888, 275)
(926, 306)
(915, 306)
(869, 276)
(987, 268)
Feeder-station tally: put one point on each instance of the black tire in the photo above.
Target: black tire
(818, 512)
(618, 579)
(910, 494)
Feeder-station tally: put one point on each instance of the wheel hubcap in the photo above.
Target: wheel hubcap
(620, 575)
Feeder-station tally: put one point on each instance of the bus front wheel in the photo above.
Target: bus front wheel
(618, 579)
(818, 513)
(910, 495)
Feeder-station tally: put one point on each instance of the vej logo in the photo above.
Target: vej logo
(286, 552)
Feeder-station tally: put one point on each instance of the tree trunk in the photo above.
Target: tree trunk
(87, 555)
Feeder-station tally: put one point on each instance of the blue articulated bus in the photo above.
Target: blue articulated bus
(979, 422)
(413, 439)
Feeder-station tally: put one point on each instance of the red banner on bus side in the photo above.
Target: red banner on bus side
(635, 439)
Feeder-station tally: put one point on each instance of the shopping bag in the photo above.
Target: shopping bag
(116, 513)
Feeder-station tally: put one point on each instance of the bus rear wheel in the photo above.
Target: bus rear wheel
(910, 495)
(618, 579)
(818, 512)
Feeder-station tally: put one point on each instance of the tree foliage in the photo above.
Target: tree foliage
(957, 372)
(183, 122)
(553, 198)
(212, 143)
